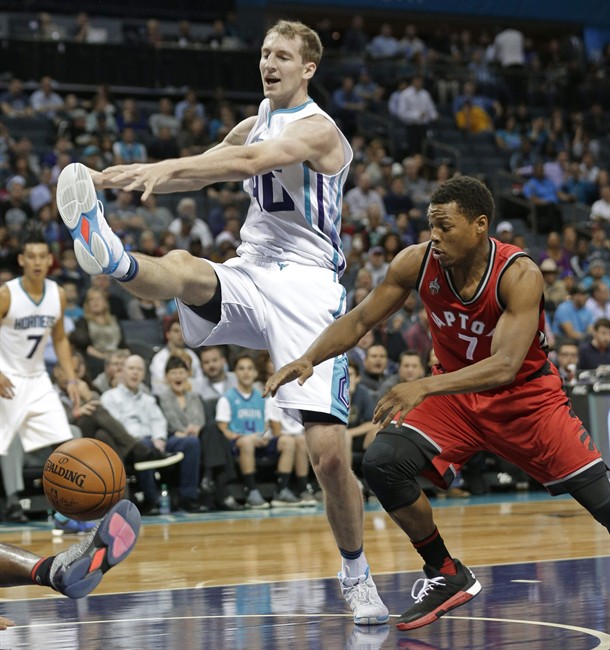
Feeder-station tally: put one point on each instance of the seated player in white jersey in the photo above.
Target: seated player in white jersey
(283, 288)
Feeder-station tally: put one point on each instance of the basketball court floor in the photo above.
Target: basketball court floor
(266, 581)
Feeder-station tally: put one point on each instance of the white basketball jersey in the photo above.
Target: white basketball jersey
(25, 329)
(295, 212)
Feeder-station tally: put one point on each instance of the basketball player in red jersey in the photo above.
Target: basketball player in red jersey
(493, 388)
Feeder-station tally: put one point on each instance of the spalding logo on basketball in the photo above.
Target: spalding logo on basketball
(83, 478)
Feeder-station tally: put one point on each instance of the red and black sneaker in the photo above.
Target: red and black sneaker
(438, 593)
(78, 570)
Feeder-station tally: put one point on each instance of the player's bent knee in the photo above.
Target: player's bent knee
(595, 496)
(390, 468)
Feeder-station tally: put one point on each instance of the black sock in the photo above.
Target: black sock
(42, 569)
(435, 553)
(282, 481)
(301, 484)
(249, 481)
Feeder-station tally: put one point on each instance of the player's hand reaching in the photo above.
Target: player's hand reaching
(300, 369)
(144, 178)
(396, 403)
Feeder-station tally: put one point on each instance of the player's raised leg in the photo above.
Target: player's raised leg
(98, 250)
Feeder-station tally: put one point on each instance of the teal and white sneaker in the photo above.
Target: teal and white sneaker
(97, 248)
(62, 525)
(361, 595)
(78, 570)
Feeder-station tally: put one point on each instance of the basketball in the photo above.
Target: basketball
(83, 478)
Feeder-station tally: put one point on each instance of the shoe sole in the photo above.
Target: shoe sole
(157, 464)
(77, 205)
(112, 543)
(456, 600)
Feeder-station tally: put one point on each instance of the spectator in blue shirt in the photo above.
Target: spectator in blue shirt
(573, 320)
(541, 191)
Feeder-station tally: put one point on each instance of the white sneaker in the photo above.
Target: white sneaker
(97, 248)
(307, 499)
(361, 595)
(368, 638)
(285, 499)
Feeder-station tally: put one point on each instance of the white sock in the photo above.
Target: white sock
(355, 568)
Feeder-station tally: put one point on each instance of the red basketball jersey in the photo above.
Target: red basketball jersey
(462, 330)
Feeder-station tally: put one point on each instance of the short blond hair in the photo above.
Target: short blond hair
(311, 48)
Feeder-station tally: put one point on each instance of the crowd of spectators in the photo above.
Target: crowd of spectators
(551, 133)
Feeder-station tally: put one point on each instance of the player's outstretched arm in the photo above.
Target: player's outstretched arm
(178, 174)
(520, 292)
(344, 333)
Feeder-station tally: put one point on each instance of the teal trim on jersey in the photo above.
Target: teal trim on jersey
(339, 406)
(339, 309)
(296, 109)
(307, 173)
(306, 190)
(44, 291)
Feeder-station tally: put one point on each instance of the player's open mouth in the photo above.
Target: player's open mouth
(436, 253)
(271, 80)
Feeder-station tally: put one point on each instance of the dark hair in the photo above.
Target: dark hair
(601, 322)
(410, 353)
(471, 196)
(243, 355)
(174, 362)
(32, 233)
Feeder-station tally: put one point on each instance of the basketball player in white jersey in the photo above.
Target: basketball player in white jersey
(283, 289)
(31, 310)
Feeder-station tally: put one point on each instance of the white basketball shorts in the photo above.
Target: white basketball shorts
(280, 307)
(35, 413)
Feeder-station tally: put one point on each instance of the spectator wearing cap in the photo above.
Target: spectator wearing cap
(15, 209)
(596, 273)
(555, 291)
(595, 352)
(572, 320)
(376, 264)
(505, 232)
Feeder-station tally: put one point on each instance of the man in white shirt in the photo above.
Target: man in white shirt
(509, 51)
(417, 110)
(600, 210)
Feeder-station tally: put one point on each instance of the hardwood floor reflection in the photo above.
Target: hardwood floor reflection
(276, 548)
